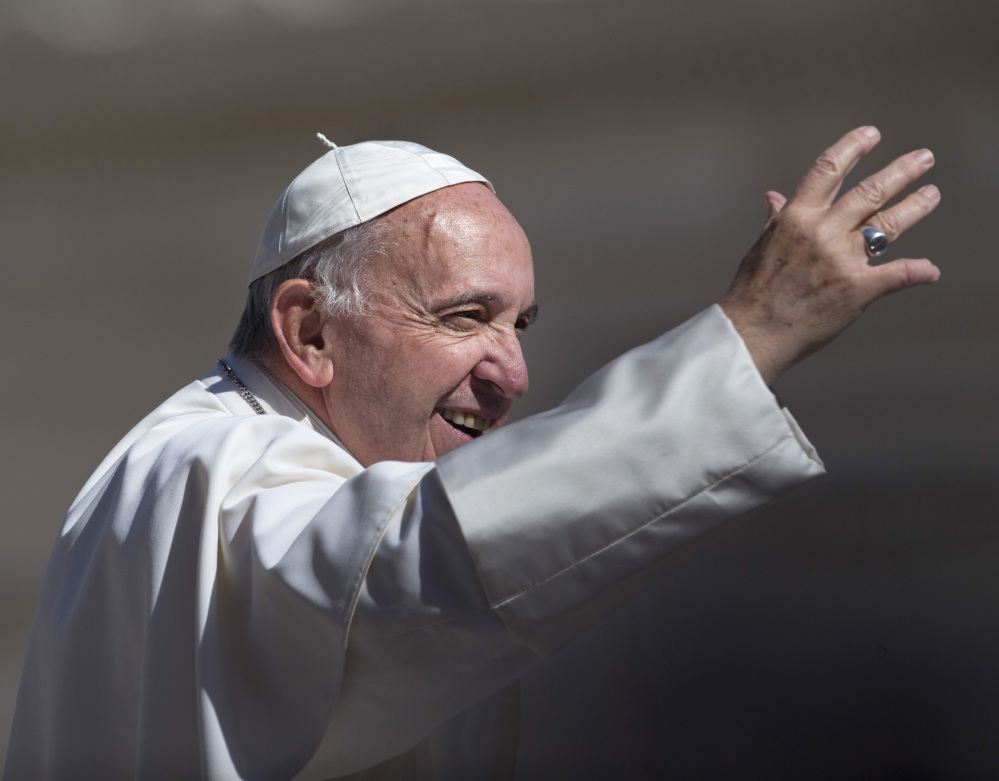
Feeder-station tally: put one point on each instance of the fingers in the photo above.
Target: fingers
(808, 276)
(862, 205)
(901, 274)
(857, 206)
(822, 182)
(899, 218)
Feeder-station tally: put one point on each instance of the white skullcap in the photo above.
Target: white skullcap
(347, 186)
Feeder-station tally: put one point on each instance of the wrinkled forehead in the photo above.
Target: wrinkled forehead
(459, 234)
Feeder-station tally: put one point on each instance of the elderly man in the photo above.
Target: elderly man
(291, 569)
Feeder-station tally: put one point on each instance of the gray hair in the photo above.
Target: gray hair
(335, 266)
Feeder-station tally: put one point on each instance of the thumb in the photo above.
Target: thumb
(775, 202)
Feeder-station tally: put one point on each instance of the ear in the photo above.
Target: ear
(301, 332)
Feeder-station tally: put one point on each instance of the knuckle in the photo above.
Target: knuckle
(889, 223)
(827, 163)
(792, 225)
(872, 190)
(858, 277)
(900, 275)
(909, 168)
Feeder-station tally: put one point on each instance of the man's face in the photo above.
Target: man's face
(441, 339)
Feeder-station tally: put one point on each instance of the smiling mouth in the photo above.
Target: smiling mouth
(466, 422)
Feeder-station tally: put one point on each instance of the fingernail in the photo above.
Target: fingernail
(930, 191)
(870, 131)
(924, 156)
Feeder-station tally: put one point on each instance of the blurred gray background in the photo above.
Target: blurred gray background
(848, 631)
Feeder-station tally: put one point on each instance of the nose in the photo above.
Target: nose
(503, 366)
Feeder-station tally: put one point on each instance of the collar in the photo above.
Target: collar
(273, 396)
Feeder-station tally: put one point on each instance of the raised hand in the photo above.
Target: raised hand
(809, 276)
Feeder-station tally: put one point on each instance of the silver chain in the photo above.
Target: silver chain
(248, 397)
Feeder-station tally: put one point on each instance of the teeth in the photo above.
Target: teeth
(466, 419)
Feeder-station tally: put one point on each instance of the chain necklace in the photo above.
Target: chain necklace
(248, 397)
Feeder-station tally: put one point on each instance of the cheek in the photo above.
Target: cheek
(413, 376)
(451, 363)
(370, 365)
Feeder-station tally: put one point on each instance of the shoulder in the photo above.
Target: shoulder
(194, 430)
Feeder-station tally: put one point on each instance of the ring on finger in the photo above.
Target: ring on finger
(875, 241)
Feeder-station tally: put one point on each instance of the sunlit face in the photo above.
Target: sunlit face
(436, 361)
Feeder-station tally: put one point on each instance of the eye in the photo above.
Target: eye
(526, 320)
(464, 318)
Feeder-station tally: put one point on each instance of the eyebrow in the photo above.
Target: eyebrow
(478, 296)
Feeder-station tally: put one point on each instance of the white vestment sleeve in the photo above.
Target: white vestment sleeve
(571, 512)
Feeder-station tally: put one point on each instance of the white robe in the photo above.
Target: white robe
(233, 596)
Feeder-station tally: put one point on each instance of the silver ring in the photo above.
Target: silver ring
(875, 241)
